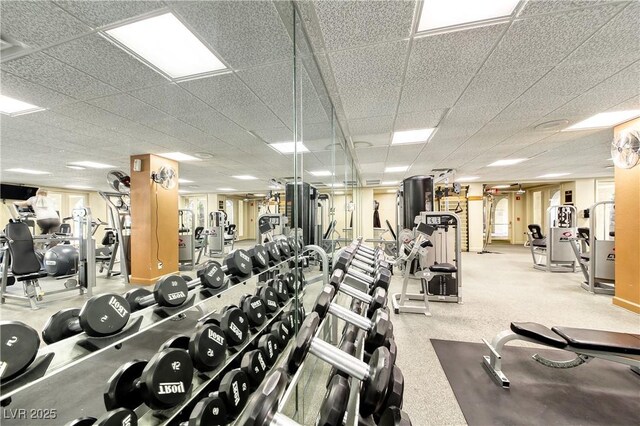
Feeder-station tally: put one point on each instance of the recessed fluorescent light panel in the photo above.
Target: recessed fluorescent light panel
(389, 182)
(605, 119)
(226, 189)
(553, 175)
(289, 147)
(168, 45)
(179, 156)
(396, 169)
(467, 178)
(184, 181)
(447, 13)
(77, 187)
(10, 106)
(335, 185)
(411, 136)
(27, 171)
(91, 164)
(321, 173)
(75, 167)
(508, 162)
(245, 177)
(501, 186)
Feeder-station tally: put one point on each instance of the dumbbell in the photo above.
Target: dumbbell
(285, 248)
(381, 278)
(169, 291)
(371, 252)
(233, 322)
(207, 346)
(161, 383)
(100, 316)
(375, 375)
(347, 260)
(270, 347)
(237, 265)
(376, 300)
(375, 263)
(393, 416)
(262, 408)
(377, 327)
(117, 417)
(209, 411)
(20, 344)
(259, 258)
(280, 286)
(366, 253)
(255, 310)
(234, 392)
(255, 366)
(269, 298)
(295, 243)
(273, 251)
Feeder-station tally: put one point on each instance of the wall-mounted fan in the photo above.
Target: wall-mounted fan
(165, 177)
(625, 149)
(119, 181)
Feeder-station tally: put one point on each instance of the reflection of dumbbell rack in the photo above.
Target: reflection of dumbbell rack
(63, 353)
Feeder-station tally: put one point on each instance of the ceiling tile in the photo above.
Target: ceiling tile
(379, 100)
(99, 13)
(38, 23)
(129, 107)
(371, 125)
(536, 7)
(347, 24)
(32, 93)
(438, 93)
(418, 120)
(273, 85)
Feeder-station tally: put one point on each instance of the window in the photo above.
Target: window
(501, 219)
(555, 199)
(537, 208)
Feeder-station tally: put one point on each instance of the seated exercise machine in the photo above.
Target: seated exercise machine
(119, 219)
(553, 252)
(594, 249)
(220, 234)
(586, 344)
(190, 240)
(390, 246)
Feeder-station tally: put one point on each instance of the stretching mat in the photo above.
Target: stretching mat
(596, 393)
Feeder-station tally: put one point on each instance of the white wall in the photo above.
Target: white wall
(476, 217)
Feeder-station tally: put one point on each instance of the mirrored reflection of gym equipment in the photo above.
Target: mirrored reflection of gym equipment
(594, 249)
(553, 252)
(269, 225)
(119, 218)
(189, 242)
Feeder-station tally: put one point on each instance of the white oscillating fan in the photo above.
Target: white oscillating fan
(625, 149)
(165, 177)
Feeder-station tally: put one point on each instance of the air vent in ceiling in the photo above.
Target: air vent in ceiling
(350, 182)
(370, 182)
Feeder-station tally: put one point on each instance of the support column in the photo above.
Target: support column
(627, 228)
(154, 222)
(476, 217)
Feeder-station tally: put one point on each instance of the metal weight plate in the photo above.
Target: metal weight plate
(118, 417)
(208, 347)
(209, 411)
(166, 379)
(171, 291)
(269, 298)
(211, 276)
(254, 309)
(20, 345)
(255, 366)
(235, 325)
(104, 315)
(57, 326)
(121, 389)
(133, 297)
(234, 389)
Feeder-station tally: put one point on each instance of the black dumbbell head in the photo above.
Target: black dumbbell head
(118, 417)
(382, 279)
(234, 390)
(279, 284)
(211, 275)
(395, 390)
(373, 392)
(234, 324)
(208, 347)
(121, 389)
(269, 298)
(342, 262)
(303, 341)
(56, 328)
(268, 344)
(393, 349)
(393, 416)
(378, 333)
(166, 379)
(336, 278)
(82, 421)
(133, 297)
(104, 315)
(20, 345)
(253, 307)
(282, 332)
(178, 341)
(210, 411)
(378, 300)
(238, 263)
(254, 366)
(264, 401)
(171, 291)
(274, 252)
(335, 402)
(323, 301)
(285, 250)
(259, 258)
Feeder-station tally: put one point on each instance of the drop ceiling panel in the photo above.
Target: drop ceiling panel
(99, 13)
(419, 120)
(49, 72)
(130, 107)
(437, 93)
(32, 93)
(379, 139)
(273, 85)
(374, 102)
(546, 40)
(369, 155)
(353, 23)
(370, 125)
(244, 34)
(173, 100)
(406, 153)
(537, 7)
(104, 61)
(38, 23)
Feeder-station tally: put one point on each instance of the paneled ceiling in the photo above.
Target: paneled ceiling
(484, 88)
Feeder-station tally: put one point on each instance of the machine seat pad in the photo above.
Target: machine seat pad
(585, 256)
(538, 332)
(600, 340)
(443, 267)
(33, 276)
(542, 242)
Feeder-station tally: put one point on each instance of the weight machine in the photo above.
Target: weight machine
(595, 251)
(188, 241)
(119, 218)
(554, 252)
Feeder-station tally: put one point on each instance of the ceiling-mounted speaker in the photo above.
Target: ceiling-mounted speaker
(625, 149)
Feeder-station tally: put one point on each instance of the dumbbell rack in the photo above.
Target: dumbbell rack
(67, 354)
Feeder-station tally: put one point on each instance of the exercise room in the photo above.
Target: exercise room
(311, 212)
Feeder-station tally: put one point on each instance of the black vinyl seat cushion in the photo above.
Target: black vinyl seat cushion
(538, 332)
(600, 340)
(33, 276)
(443, 267)
(542, 242)
(23, 255)
(585, 256)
